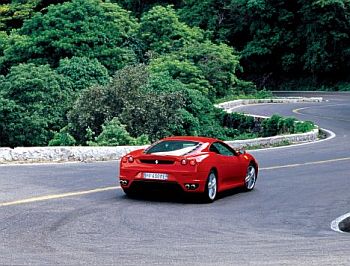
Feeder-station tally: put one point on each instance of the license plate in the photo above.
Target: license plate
(158, 176)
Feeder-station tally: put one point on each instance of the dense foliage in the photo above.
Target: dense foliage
(36, 99)
(113, 72)
(89, 28)
(282, 43)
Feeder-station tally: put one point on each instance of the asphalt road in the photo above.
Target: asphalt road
(285, 220)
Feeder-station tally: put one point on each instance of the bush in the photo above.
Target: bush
(62, 138)
(238, 121)
(114, 134)
(270, 126)
(305, 126)
(286, 125)
(280, 125)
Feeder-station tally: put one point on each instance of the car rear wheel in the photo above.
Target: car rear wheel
(211, 188)
(129, 193)
(250, 178)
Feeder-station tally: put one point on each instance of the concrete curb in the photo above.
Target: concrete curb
(237, 103)
(275, 140)
(87, 154)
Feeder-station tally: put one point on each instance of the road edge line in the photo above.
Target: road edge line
(335, 223)
(57, 196)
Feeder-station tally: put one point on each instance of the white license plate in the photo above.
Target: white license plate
(158, 176)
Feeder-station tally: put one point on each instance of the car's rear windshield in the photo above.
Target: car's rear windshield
(173, 147)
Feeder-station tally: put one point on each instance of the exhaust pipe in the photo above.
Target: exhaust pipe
(124, 182)
(191, 186)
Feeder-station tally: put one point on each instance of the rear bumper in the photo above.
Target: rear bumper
(176, 181)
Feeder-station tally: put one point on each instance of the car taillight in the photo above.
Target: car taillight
(193, 162)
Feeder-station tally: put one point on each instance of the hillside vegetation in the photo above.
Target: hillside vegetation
(93, 72)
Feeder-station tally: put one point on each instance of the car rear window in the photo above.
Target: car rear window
(173, 147)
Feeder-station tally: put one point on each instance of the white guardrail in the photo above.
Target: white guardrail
(88, 154)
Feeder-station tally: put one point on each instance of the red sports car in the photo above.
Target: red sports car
(193, 164)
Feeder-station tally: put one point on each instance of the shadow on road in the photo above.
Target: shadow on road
(178, 196)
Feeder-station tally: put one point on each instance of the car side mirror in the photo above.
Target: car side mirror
(240, 151)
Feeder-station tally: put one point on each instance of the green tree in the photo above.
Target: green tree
(152, 108)
(39, 98)
(83, 72)
(280, 41)
(195, 116)
(90, 28)
(13, 14)
(3, 42)
(211, 15)
(324, 34)
(9, 112)
(205, 66)
(218, 63)
(97, 104)
(139, 7)
(163, 32)
(183, 70)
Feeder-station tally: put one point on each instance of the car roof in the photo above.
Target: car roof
(192, 138)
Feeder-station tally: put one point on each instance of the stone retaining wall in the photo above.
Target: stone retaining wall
(237, 103)
(63, 154)
(86, 154)
(276, 140)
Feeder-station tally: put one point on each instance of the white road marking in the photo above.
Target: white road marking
(84, 192)
(307, 163)
(297, 111)
(57, 196)
(330, 133)
(336, 222)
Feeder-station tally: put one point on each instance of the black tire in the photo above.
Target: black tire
(250, 178)
(211, 187)
(129, 193)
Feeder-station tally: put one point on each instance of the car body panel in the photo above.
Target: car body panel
(231, 170)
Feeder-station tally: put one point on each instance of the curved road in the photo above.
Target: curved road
(286, 220)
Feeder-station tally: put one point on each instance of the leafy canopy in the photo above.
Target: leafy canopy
(89, 28)
(39, 98)
(162, 31)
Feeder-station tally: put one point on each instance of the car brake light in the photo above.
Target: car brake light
(193, 162)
